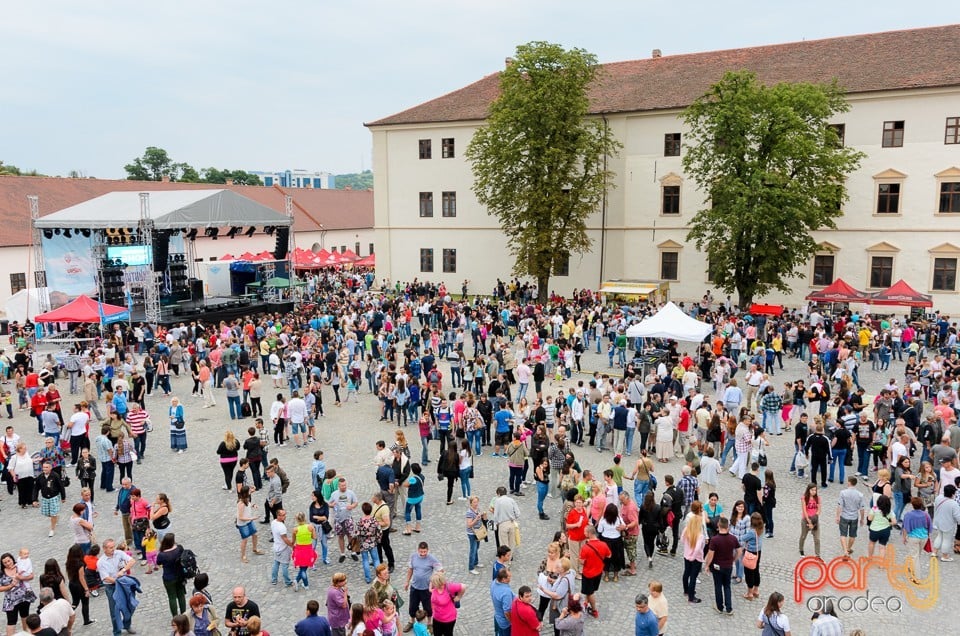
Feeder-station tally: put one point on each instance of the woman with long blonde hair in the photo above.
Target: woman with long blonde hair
(228, 451)
(692, 540)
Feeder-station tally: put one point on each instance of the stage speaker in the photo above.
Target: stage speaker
(161, 250)
(283, 241)
(196, 289)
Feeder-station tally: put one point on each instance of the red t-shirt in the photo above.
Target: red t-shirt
(574, 516)
(592, 555)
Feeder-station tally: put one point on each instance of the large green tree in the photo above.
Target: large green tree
(239, 177)
(155, 164)
(773, 170)
(539, 163)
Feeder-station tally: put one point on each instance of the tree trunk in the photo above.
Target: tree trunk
(543, 285)
(745, 297)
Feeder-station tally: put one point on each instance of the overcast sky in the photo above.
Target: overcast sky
(260, 85)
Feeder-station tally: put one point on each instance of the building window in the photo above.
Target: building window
(893, 134)
(426, 259)
(888, 198)
(343, 249)
(840, 130)
(881, 271)
(952, 133)
(448, 204)
(333, 248)
(669, 265)
(449, 261)
(823, 269)
(426, 204)
(370, 252)
(670, 199)
(944, 274)
(17, 282)
(949, 196)
(426, 149)
(671, 145)
(447, 147)
(561, 264)
(356, 248)
(268, 181)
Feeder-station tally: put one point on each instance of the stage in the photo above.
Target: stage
(212, 310)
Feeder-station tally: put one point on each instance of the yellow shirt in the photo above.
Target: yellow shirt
(150, 545)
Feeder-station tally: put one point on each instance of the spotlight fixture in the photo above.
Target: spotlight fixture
(48, 234)
(270, 230)
(251, 231)
(57, 231)
(67, 234)
(85, 232)
(192, 234)
(234, 231)
(212, 232)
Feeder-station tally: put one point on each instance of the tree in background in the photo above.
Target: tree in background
(354, 180)
(539, 164)
(239, 177)
(773, 169)
(7, 169)
(155, 164)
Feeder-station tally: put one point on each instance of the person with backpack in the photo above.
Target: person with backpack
(671, 509)
(173, 575)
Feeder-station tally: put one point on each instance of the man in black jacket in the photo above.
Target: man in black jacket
(676, 507)
(818, 448)
(485, 408)
(48, 494)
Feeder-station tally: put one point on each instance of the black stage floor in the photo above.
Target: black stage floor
(212, 310)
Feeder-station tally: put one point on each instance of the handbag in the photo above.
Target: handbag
(801, 461)
(325, 527)
(178, 423)
(481, 532)
(355, 544)
(516, 533)
(762, 458)
(140, 524)
(750, 560)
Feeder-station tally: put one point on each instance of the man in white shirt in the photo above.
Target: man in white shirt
(282, 549)
(111, 565)
(754, 378)
(899, 448)
(55, 613)
(78, 433)
(297, 412)
(505, 515)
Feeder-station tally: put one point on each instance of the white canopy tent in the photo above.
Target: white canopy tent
(670, 322)
(169, 209)
(25, 304)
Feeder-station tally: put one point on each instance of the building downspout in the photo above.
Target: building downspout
(603, 212)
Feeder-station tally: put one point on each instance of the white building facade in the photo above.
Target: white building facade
(902, 219)
(296, 179)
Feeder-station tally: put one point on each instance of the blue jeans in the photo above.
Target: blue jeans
(774, 422)
(281, 567)
(793, 465)
(235, 409)
(370, 560)
(321, 538)
(723, 594)
(522, 391)
(628, 441)
(640, 488)
(465, 482)
(727, 447)
(863, 459)
(898, 504)
(302, 576)
(423, 452)
(409, 508)
(839, 457)
(542, 488)
(474, 557)
(106, 476)
(475, 438)
(117, 620)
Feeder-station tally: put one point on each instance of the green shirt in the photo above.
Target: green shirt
(617, 475)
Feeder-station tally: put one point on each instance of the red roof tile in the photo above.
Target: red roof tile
(314, 210)
(894, 60)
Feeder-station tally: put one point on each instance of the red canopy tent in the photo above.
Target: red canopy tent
(348, 256)
(766, 310)
(227, 257)
(265, 256)
(83, 309)
(902, 295)
(838, 292)
(366, 261)
(247, 256)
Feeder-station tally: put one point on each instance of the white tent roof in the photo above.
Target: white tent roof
(671, 322)
(169, 209)
(25, 304)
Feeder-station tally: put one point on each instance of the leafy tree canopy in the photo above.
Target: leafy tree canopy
(155, 164)
(355, 180)
(14, 171)
(539, 164)
(773, 169)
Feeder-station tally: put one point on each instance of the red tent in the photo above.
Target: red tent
(227, 257)
(366, 261)
(83, 309)
(901, 294)
(247, 256)
(766, 310)
(838, 292)
(265, 256)
(348, 256)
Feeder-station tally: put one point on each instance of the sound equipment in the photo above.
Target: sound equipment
(196, 289)
(283, 242)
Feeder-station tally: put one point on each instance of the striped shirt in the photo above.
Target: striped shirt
(137, 421)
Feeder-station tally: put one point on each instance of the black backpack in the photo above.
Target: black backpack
(188, 564)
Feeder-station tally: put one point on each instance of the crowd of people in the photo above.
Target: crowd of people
(516, 391)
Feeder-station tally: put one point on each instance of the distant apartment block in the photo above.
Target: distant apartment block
(296, 179)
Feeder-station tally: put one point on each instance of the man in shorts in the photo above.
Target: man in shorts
(593, 555)
(851, 512)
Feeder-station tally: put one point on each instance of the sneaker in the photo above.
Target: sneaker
(718, 610)
(273, 582)
(544, 517)
(342, 558)
(94, 593)
(695, 600)
(475, 572)
(296, 586)
(550, 495)
(224, 487)
(354, 557)
(728, 613)
(461, 498)
(50, 534)
(593, 612)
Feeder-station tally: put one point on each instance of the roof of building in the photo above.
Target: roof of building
(893, 60)
(314, 210)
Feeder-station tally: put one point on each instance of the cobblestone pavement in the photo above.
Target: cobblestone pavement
(203, 521)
